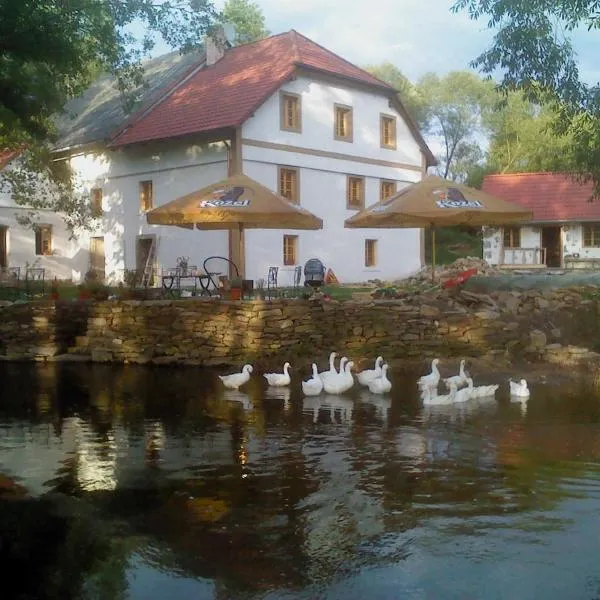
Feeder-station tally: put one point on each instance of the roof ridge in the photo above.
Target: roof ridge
(530, 173)
(344, 60)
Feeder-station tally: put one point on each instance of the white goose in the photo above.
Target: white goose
(365, 377)
(481, 391)
(332, 371)
(430, 397)
(235, 380)
(519, 389)
(333, 374)
(381, 385)
(341, 382)
(432, 379)
(462, 395)
(314, 386)
(460, 379)
(279, 379)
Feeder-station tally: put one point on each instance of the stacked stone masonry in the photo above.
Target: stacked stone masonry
(210, 333)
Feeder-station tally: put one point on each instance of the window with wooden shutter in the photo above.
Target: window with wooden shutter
(146, 196)
(512, 237)
(355, 194)
(290, 250)
(370, 253)
(96, 202)
(387, 189)
(342, 122)
(288, 184)
(43, 240)
(591, 235)
(291, 115)
(388, 132)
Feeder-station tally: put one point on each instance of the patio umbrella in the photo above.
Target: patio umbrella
(237, 203)
(436, 202)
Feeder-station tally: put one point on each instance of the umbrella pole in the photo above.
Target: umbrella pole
(432, 253)
(242, 265)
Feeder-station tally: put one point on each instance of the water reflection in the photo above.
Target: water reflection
(328, 408)
(264, 492)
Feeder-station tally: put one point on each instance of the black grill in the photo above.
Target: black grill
(314, 272)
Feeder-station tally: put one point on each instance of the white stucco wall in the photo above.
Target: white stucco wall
(323, 180)
(317, 100)
(493, 246)
(175, 170)
(65, 262)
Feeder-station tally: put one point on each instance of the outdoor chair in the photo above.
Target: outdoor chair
(272, 281)
(297, 279)
(217, 269)
(35, 281)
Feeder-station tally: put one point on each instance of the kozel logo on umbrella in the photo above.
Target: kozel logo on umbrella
(454, 198)
(228, 197)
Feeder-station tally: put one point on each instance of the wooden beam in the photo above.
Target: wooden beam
(237, 247)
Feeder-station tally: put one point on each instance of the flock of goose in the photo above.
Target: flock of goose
(428, 386)
(333, 381)
(339, 380)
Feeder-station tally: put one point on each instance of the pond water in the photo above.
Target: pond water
(174, 488)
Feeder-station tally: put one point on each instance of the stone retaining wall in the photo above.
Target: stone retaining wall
(195, 331)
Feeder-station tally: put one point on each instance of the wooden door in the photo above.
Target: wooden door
(97, 258)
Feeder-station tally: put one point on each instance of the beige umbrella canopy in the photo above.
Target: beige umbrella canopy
(436, 202)
(234, 203)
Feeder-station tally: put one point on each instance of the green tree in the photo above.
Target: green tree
(408, 93)
(533, 48)
(248, 19)
(50, 50)
(521, 138)
(456, 107)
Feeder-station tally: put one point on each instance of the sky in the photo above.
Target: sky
(417, 36)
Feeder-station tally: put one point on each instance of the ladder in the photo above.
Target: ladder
(148, 273)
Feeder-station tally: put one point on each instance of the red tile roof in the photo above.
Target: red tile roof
(551, 196)
(6, 156)
(226, 94)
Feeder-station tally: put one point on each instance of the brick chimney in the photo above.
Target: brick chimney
(216, 42)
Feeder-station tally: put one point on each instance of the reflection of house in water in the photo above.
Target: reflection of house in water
(336, 409)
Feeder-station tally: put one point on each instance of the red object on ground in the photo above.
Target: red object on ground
(460, 278)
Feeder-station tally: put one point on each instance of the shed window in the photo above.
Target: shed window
(388, 132)
(343, 123)
(591, 235)
(387, 189)
(288, 183)
(512, 237)
(96, 202)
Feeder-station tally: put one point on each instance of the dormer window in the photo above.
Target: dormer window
(291, 112)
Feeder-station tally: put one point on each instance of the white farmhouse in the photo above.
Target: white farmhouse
(286, 112)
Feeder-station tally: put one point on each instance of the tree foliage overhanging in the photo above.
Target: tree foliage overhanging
(50, 51)
(532, 47)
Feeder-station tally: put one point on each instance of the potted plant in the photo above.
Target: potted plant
(235, 288)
